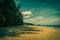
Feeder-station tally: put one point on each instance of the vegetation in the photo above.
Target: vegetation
(9, 14)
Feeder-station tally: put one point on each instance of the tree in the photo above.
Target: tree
(9, 13)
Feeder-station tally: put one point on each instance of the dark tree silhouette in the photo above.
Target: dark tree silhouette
(9, 14)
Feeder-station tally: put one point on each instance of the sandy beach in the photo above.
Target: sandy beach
(44, 33)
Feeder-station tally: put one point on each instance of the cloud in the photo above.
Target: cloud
(48, 11)
(27, 14)
(44, 21)
(26, 17)
(44, 16)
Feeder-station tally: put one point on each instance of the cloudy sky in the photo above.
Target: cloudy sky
(40, 11)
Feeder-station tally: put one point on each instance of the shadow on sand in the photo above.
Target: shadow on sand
(17, 30)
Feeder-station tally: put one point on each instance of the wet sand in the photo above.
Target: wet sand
(45, 33)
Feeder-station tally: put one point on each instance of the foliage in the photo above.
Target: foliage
(9, 12)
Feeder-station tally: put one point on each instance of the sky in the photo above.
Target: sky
(44, 12)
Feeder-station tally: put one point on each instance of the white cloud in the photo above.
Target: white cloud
(27, 14)
(42, 20)
(46, 17)
(48, 11)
